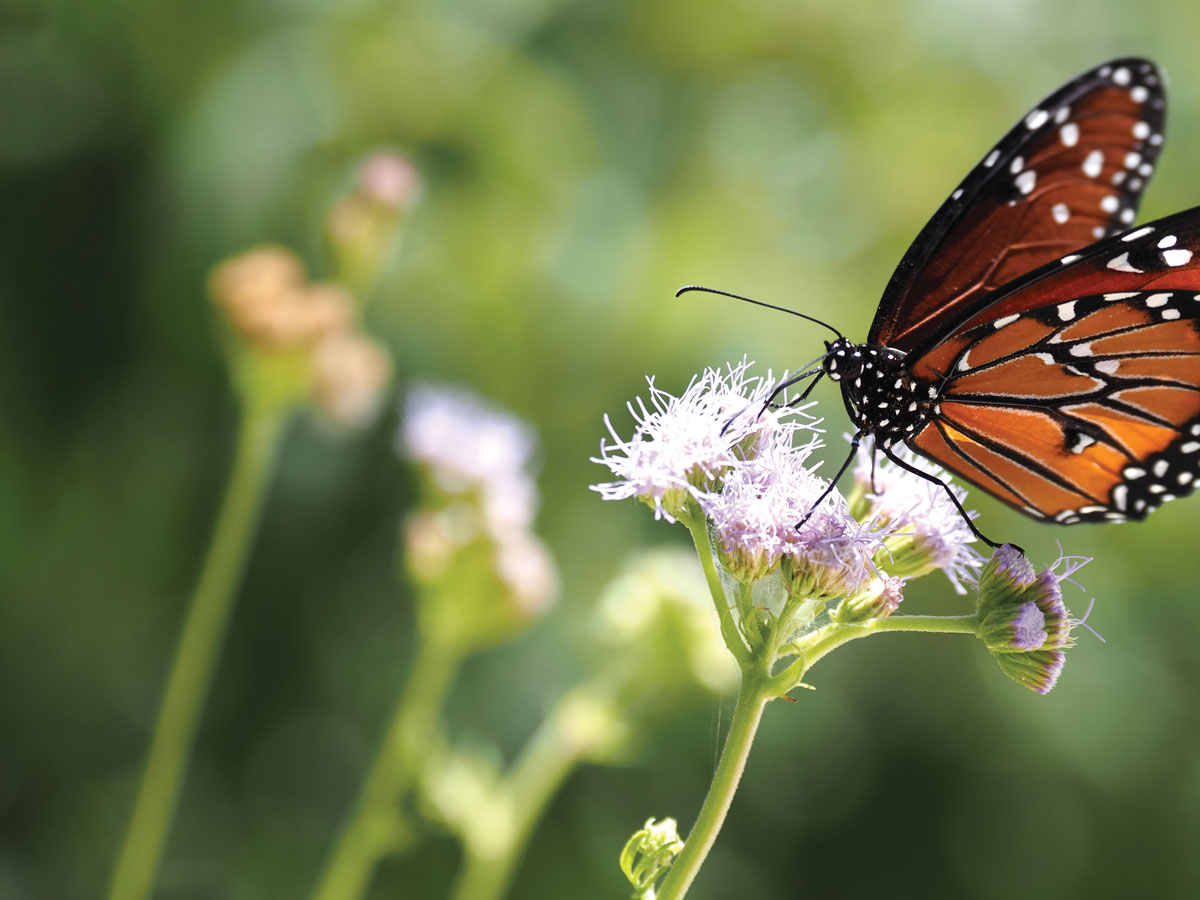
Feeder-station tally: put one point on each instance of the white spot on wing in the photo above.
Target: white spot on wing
(1036, 119)
(1121, 76)
(1025, 181)
(1006, 320)
(1134, 235)
(1120, 495)
(1093, 164)
(1108, 366)
(1066, 311)
(1156, 300)
(1177, 257)
(1069, 134)
(1121, 264)
(1168, 241)
(1111, 203)
(990, 159)
(1061, 212)
(1069, 258)
(1141, 130)
(1082, 442)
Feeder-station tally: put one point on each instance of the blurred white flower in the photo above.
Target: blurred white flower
(468, 445)
(528, 571)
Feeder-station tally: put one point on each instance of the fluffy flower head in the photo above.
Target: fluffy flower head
(683, 446)
(926, 530)
(755, 519)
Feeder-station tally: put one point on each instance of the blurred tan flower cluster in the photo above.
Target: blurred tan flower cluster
(312, 328)
(274, 309)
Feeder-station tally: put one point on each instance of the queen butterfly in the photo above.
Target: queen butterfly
(1027, 344)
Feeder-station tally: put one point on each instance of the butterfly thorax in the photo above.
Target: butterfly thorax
(882, 397)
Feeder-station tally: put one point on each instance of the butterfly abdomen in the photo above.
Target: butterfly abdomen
(882, 397)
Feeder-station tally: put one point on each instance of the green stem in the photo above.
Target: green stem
(698, 526)
(752, 698)
(196, 656)
(372, 830)
(493, 848)
(829, 638)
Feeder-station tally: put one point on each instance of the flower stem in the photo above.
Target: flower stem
(375, 827)
(829, 638)
(698, 526)
(494, 846)
(752, 698)
(196, 655)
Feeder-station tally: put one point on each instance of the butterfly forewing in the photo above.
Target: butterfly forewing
(1071, 172)
(1080, 399)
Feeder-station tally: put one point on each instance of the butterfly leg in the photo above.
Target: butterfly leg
(854, 441)
(949, 493)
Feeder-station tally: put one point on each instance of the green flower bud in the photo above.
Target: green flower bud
(881, 598)
(649, 853)
(1023, 620)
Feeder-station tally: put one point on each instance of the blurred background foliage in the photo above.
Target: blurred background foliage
(581, 160)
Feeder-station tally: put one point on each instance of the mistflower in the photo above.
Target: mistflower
(682, 446)
(350, 373)
(1022, 618)
(925, 530)
(880, 599)
(388, 179)
(528, 571)
(465, 443)
(269, 303)
(755, 518)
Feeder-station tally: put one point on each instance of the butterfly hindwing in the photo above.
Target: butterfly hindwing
(1072, 171)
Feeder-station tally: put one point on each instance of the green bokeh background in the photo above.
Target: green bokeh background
(582, 160)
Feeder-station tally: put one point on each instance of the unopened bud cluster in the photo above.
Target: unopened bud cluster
(309, 329)
(361, 228)
(1023, 620)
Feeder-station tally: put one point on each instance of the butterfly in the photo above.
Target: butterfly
(1032, 341)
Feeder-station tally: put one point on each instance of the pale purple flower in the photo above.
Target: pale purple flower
(905, 503)
(682, 446)
(528, 571)
(469, 447)
(1022, 616)
(1028, 627)
(755, 518)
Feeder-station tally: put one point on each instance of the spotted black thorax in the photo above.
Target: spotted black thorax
(882, 398)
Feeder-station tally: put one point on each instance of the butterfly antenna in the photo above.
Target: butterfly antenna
(782, 309)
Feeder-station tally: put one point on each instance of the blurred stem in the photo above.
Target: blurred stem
(696, 523)
(196, 656)
(374, 827)
(493, 848)
(753, 694)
